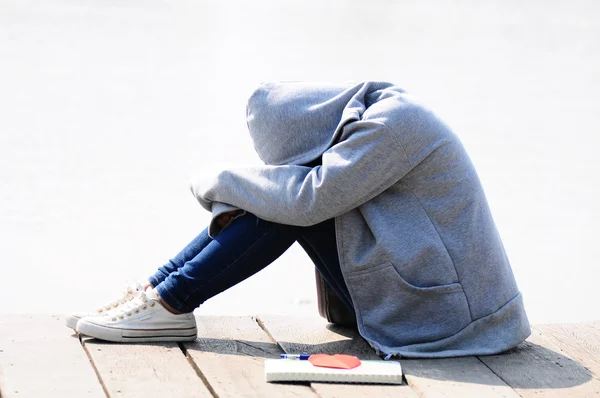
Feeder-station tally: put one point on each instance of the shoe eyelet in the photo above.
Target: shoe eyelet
(129, 314)
(137, 311)
(115, 305)
(145, 307)
(121, 317)
(101, 310)
(152, 305)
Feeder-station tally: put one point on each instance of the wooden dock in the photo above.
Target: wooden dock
(40, 357)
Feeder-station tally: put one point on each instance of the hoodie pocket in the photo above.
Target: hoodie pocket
(395, 313)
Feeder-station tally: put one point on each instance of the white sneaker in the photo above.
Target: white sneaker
(142, 319)
(128, 294)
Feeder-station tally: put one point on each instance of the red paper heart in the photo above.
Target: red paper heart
(339, 361)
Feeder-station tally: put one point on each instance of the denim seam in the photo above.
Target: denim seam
(229, 266)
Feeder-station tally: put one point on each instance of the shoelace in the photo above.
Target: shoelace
(141, 302)
(128, 294)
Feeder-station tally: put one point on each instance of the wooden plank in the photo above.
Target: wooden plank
(230, 354)
(41, 357)
(454, 377)
(537, 369)
(580, 341)
(144, 369)
(308, 334)
(313, 335)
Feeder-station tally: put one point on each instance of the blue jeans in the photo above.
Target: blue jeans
(207, 267)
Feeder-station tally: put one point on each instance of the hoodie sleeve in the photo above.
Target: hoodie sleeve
(368, 161)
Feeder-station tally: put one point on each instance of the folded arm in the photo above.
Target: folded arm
(368, 161)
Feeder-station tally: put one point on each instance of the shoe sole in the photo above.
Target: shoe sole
(71, 321)
(119, 335)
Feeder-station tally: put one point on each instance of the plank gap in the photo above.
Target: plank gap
(231, 352)
(282, 348)
(492, 370)
(145, 369)
(315, 335)
(539, 368)
(89, 357)
(198, 371)
(41, 357)
(182, 348)
(266, 330)
(404, 381)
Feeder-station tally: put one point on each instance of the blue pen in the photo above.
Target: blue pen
(294, 356)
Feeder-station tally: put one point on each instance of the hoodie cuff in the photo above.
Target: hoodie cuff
(219, 208)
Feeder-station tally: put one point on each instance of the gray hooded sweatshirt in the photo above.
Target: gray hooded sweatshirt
(418, 248)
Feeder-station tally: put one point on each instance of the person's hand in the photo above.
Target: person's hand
(225, 218)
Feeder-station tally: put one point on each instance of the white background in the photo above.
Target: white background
(108, 107)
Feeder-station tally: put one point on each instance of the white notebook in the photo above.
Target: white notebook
(385, 372)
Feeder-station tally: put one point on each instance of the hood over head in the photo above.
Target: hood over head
(293, 123)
